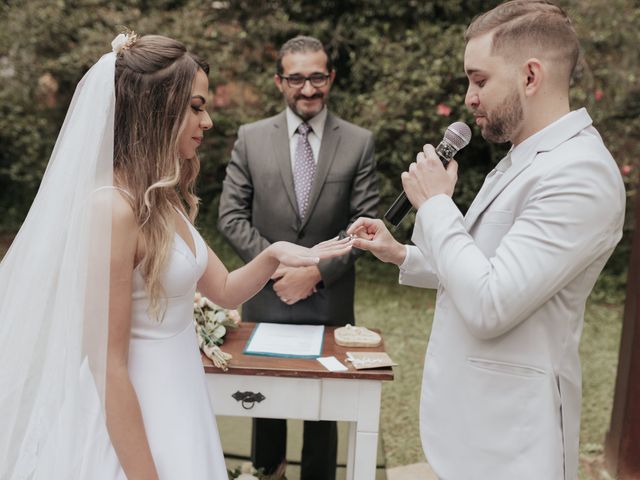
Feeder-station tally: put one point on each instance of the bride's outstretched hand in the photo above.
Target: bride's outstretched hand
(293, 255)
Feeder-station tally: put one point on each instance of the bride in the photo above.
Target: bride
(100, 373)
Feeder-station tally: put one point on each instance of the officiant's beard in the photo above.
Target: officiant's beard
(317, 101)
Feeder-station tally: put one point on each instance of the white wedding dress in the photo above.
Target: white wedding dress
(54, 297)
(166, 371)
(167, 374)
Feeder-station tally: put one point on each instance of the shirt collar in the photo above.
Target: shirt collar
(551, 136)
(316, 123)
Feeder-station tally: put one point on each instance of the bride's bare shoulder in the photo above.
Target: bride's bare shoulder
(122, 211)
(113, 202)
(112, 214)
(124, 230)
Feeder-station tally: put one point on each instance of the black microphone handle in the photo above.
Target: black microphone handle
(399, 209)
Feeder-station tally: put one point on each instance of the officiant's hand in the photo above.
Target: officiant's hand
(295, 284)
(293, 288)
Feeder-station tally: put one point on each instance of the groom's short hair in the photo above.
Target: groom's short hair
(532, 28)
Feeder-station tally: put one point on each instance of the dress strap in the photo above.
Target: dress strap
(182, 214)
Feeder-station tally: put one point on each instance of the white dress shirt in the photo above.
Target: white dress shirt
(314, 136)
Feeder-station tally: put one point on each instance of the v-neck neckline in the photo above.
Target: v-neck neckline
(194, 252)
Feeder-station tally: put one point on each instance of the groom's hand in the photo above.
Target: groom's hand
(427, 177)
(372, 234)
(293, 284)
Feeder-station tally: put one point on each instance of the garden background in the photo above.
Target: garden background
(399, 74)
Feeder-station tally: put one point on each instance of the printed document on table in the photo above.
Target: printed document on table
(283, 340)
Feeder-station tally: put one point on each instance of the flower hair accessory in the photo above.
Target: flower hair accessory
(123, 42)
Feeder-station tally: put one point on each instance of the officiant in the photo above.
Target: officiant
(303, 175)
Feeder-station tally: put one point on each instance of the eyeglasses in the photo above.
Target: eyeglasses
(316, 79)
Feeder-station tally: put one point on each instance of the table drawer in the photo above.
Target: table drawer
(267, 397)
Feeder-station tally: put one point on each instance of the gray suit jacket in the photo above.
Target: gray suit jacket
(258, 206)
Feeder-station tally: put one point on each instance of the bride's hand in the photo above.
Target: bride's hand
(293, 255)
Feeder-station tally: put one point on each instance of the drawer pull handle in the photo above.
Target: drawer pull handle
(248, 399)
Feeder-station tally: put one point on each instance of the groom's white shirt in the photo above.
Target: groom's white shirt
(501, 388)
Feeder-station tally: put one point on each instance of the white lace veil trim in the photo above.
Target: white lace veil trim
(54, 293)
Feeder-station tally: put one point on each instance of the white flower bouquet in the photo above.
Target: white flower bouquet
(211, 322)
(246, 471)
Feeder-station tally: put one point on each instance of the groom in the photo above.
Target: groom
(303, 176)
(501, 387)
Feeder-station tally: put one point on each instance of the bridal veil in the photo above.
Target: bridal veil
(54, 292)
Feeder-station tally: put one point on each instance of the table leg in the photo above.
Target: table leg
(365, 456)
(351, 449)
(363, 434)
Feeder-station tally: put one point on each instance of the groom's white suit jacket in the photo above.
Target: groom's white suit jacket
(502, 383)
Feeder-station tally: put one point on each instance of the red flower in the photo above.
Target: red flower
(443, 110)
(626, 169)
(598, 94)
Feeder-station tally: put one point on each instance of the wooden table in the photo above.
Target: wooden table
(271, 387)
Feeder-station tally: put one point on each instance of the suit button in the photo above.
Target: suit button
(301, 235)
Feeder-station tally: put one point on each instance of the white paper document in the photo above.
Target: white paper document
(283, 340)
(332, 364)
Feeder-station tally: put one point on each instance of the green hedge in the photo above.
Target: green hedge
(399, 74)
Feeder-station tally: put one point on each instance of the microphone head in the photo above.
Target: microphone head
(458, 134)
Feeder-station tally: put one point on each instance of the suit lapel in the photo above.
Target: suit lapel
(475, 210)
(567, 127)
(328, 147)
(282, 155)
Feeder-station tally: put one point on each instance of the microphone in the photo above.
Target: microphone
(456, 137)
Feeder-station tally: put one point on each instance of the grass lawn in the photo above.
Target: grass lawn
(404, 315)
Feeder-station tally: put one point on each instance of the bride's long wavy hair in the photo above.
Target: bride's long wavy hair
(153, 81)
